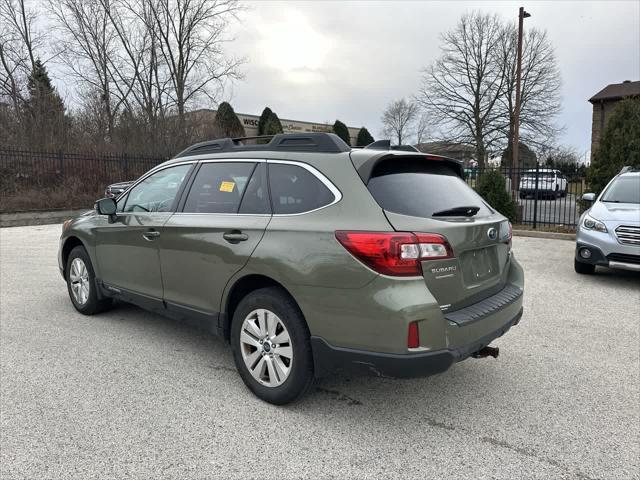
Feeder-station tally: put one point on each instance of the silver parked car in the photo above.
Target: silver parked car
(609, 232)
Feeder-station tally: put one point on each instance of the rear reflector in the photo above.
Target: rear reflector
(413, 338)
(395, 253)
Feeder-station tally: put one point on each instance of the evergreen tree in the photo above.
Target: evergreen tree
(264, 118)
(364, 138)
(45, 120)
(227, 123)
(619, 145)
(342, 131)
(493, 188)
(273, 125)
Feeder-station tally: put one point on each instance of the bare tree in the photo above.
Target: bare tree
(462, 88)
(398, 120)
(191, 36)
(540, 100)
(143, 71)
(20, 43)
(423, 128)
(88, 49)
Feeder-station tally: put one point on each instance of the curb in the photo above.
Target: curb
(21, 219)
(549, 235)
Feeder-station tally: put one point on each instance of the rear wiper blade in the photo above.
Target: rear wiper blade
(468, 211)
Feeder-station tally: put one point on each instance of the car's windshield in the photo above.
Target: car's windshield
(623, 190)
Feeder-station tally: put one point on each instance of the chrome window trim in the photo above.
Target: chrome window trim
(337, 194)
(225, 214)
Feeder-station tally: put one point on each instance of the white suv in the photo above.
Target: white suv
(551, 183)
(609, 232)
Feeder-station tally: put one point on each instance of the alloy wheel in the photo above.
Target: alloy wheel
(79, 281)
(266, 347)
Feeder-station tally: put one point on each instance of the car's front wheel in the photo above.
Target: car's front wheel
(81, 283)
(271, 347)
(583, 268)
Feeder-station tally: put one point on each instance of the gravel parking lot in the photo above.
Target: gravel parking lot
(128, 394)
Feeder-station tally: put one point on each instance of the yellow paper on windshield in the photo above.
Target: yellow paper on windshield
(227, 186)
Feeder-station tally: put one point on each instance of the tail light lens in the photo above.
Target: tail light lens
(413, 338)
(506, 232)
(395, 253)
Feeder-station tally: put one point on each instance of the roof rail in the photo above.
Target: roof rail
(282, 142)
(386, 145)
(628, 169)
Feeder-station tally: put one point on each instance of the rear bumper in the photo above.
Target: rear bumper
(328, 358)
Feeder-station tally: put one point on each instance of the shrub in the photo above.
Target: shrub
(264, 118)
(227, 123)
(342, 131)
(273, 125)
(492, 187)
(364, 138)
(619, 145)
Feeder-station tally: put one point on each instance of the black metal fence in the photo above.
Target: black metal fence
(39, 180)
(43, 180)
(544, 196)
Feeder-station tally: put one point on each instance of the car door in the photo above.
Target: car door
(127, 249)
(220, 221)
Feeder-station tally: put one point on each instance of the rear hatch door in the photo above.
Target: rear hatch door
(428, 197)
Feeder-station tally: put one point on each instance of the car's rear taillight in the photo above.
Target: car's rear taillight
(413, 337)
(506, 232)
(395, 253)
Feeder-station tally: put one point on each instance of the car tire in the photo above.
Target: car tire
(583, 268)
(257, 362)
(81, 283)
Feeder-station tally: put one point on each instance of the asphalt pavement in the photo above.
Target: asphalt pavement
(129, 394)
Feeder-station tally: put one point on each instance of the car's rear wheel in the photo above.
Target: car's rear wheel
(271, 347)
(81, 283)
(583, 268)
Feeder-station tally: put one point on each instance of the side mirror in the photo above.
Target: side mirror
(107, 206)
(589, 197)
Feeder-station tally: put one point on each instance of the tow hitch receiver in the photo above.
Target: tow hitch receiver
(487, 352)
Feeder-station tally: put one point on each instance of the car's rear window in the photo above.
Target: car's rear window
(421, 188)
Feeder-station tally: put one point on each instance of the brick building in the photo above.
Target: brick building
(603, 104)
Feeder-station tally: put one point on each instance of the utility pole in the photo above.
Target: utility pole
(516, 128)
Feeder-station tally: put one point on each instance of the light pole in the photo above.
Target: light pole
(516, 127)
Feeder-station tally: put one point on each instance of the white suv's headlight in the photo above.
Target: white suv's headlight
(591, 223)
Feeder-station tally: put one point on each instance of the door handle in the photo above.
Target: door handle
(235, 236)
(150, 235)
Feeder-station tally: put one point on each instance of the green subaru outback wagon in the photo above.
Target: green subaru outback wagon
(307, 256)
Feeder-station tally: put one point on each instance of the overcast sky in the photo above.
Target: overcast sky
(323, 60)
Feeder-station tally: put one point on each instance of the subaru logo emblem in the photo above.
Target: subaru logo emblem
(492, 233)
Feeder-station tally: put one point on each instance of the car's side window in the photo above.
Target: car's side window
(218, 187)
(157, 192)
(256, 196)
(296, 190)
